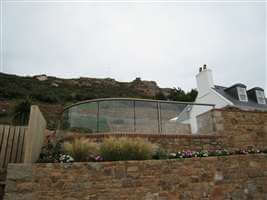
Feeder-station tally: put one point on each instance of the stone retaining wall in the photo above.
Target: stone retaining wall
(172, 143)
(233, 129)
(232, 177)
(241, 129)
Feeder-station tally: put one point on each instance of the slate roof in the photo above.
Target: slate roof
(249, 105)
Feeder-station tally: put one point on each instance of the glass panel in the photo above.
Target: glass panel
(146, 117)
(128, 116)
(116, 116)
(204, 121)
(65, 124)
(175, 118)
(83, 118)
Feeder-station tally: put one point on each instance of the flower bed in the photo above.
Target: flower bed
(124, 149)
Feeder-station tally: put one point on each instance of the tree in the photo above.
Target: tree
(192, 94)
(177, 94)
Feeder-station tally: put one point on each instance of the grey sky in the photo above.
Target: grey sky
(166, 43)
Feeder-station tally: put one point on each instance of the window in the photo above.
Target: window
(260, 97)
(242, 94)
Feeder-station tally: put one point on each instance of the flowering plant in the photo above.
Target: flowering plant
(64, 158)
(206, 153)
(50, 153)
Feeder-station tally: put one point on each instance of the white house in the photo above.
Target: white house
(236, 95)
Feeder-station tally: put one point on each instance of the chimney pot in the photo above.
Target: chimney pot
(204, 66)
(200, 69)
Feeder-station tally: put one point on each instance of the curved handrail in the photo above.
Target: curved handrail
(135, 99)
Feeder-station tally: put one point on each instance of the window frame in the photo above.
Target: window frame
(260, 97)
(242, 92)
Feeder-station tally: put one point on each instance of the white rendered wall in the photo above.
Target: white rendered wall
(211, 97)
(204, 81)
(206, 95)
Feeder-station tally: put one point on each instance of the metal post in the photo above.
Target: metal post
(97, 120)
(159, 118)
(134, 116)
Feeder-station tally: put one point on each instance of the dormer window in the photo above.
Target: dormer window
(242, 94)
(260, 97)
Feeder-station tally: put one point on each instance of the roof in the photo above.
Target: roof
(256, 88)
(236, 85)
(249, 105)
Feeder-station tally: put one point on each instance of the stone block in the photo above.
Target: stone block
(19, 172)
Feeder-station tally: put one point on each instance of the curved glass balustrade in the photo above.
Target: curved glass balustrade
(127, 115)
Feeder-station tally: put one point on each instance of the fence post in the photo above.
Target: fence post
(97, 118)
(134, 116)
(34, 135)
(159, 117)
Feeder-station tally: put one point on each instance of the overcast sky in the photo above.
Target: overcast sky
(163, 42)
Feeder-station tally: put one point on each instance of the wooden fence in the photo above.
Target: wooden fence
(12, 140)
(22, 144)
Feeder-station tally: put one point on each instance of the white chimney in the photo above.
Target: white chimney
(204, 81)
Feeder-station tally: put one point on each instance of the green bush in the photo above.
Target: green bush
(113, 149)
(46, 96)
(160, 154)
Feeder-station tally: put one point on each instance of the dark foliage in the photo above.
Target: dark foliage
(177, 94)
(22, 112)
(50, 153)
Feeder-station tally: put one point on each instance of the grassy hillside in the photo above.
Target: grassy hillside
(52, 93)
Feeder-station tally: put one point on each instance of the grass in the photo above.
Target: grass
(115, 149)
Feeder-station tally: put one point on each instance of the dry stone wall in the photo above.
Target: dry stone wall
(172, 143)
(241, 129)
(232, 177)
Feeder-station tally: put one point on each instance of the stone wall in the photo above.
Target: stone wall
(233, 130)
(172, 143)
(241, 129)
(232, 177)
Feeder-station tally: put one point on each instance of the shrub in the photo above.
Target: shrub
(50, 153)
(160, 153)
(3, 113)
(81, 149)
(22, 112)
(46, 96)
(113, 149)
